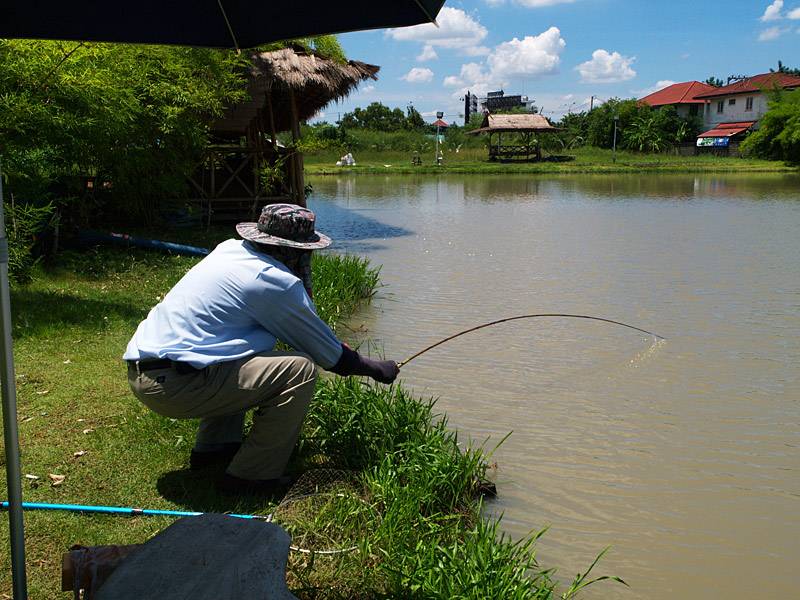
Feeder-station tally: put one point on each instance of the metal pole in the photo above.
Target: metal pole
(10, 429)
(614, 158)
(436, 157)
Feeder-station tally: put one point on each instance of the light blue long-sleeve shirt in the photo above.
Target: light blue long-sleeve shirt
(234, 303)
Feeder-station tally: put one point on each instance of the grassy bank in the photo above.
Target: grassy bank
(85, 440)
(586, 160)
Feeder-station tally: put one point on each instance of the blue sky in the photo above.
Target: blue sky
(561, 53)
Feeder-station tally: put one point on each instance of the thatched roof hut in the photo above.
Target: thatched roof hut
(526, 147)
(285, 87)
(518, 123)
(289, 86)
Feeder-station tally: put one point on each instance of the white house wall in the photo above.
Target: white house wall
(734, 113)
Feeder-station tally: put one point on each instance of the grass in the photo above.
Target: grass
(587, 160)
(78, 420)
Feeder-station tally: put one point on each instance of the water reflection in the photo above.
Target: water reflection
(350, 228)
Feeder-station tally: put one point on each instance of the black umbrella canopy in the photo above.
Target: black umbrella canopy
(208, 23)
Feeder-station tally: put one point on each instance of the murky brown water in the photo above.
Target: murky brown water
(683, 455)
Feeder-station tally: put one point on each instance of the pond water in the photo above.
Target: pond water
(683, 454)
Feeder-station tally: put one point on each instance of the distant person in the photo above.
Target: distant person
(207, 350)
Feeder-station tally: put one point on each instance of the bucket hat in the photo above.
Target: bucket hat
(284, 225)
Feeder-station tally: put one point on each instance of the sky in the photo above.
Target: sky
(567, 55)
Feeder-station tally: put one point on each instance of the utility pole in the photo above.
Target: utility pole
(591, 103)
(614, 156)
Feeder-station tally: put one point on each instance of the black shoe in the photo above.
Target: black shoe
(201, 460)
(236, 485)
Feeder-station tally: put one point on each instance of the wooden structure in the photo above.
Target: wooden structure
(524, 145)
(245, 166)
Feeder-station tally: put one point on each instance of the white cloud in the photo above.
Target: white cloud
(773, 11)
(428, 53)
(457, 30)
(418, 75)
(793, 14)
(533, 57)
(654, 88)
(367, 89)
(606, 68)
(452, 81)
(773, 33)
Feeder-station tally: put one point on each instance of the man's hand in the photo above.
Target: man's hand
(383, 371)
(353, 363)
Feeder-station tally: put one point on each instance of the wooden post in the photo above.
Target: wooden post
(299, 191)
(271, 120)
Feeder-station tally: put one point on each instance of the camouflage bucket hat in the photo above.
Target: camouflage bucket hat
(284, 225)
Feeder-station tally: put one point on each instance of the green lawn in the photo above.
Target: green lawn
(587, 160)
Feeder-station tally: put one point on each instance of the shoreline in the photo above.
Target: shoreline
(591, 161)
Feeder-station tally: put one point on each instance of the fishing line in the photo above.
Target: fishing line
(447, 339)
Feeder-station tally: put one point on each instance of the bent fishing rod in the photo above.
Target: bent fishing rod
(471, 329)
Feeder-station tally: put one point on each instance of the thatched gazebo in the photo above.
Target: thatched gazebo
(526, 146)
(285, 87)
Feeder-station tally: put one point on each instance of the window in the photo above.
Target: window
(748, 103)
(694, 110)
(720, 106)
(732, 101)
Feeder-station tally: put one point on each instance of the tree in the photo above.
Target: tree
(779, 135)
(414, 120)
(714, 81)
(644, 134)
(131, 119)
(376, 116)
(576, 128)
(784, 69)
(379, 117)
(600, 126)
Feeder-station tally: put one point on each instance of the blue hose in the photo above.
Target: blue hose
(121, 239)
(119, 510)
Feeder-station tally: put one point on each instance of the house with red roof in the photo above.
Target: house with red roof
(744, 99)
(682, 96)
(726, 111)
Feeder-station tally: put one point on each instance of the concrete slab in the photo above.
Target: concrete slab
(207, 557)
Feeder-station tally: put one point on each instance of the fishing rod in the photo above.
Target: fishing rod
(120, 510)
(447, 339)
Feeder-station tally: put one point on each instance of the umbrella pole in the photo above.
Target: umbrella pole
(11, 432)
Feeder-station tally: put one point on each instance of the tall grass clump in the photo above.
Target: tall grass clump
(341, 284)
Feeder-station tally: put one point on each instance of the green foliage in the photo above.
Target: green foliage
(341, 284)
(784, 69)
(714, 81)
(381, 141)
(576, 129)
(129, 119)
(455, 138)
(413, 119)
(26, 225)
(643, 135)
(640, 128)
(779, 135)
(379, 117)
(600, 127)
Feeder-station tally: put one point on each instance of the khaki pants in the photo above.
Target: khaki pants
(278, 385)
